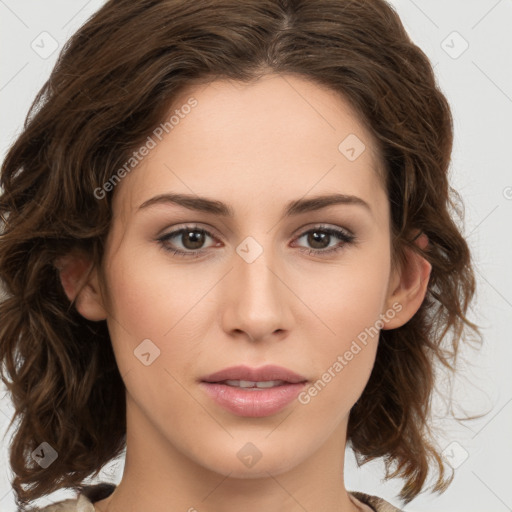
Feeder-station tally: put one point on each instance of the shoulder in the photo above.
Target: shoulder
(80, 504)
(88, 495)
(375, 503)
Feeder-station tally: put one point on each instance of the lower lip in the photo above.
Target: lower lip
(253, 403)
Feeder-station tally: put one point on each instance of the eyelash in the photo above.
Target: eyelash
(344, 236)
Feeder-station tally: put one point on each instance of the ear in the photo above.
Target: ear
(408, 286)
(80, 282)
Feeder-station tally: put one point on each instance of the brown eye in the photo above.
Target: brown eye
(192, 240)
(319, 238)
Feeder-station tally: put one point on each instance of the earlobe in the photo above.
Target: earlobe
(410, 285)
(80, 283)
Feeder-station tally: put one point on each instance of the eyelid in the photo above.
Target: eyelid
(321, 225)
(213, 232)
(190, 225)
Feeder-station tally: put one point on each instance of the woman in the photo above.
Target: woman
(227, 248)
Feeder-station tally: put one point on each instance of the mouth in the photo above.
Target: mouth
(248, 384)
(241, 375)
(253, 392)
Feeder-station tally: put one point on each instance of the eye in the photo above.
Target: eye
(192, 239)
(320, 237)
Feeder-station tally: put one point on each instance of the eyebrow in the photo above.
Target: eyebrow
(215, 207)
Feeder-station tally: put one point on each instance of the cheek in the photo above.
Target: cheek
(149, 303)
(344, 322)
(347, 297)
(158, 302)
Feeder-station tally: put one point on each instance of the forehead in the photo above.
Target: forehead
(279, 138)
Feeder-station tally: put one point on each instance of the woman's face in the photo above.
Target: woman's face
(251, 295)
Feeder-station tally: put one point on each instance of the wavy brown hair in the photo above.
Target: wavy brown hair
(113, 83)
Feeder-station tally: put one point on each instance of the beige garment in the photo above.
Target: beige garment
(92, 493)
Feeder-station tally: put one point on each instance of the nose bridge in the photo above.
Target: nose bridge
(255, 259)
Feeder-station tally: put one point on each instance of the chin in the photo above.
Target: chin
(238, 463)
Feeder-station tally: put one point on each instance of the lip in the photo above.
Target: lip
(267, 372)
(253, 402)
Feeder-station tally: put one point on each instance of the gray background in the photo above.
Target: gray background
(477, 81)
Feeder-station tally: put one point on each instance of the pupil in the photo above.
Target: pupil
(315, 235)
(195, 238)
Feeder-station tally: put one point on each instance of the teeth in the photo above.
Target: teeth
(251, 384)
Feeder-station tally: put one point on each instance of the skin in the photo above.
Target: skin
(255, 147)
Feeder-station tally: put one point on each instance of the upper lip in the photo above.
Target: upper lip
(264, 373)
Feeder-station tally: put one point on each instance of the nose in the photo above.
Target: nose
(256, 296)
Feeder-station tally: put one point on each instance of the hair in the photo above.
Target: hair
(114, 81)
